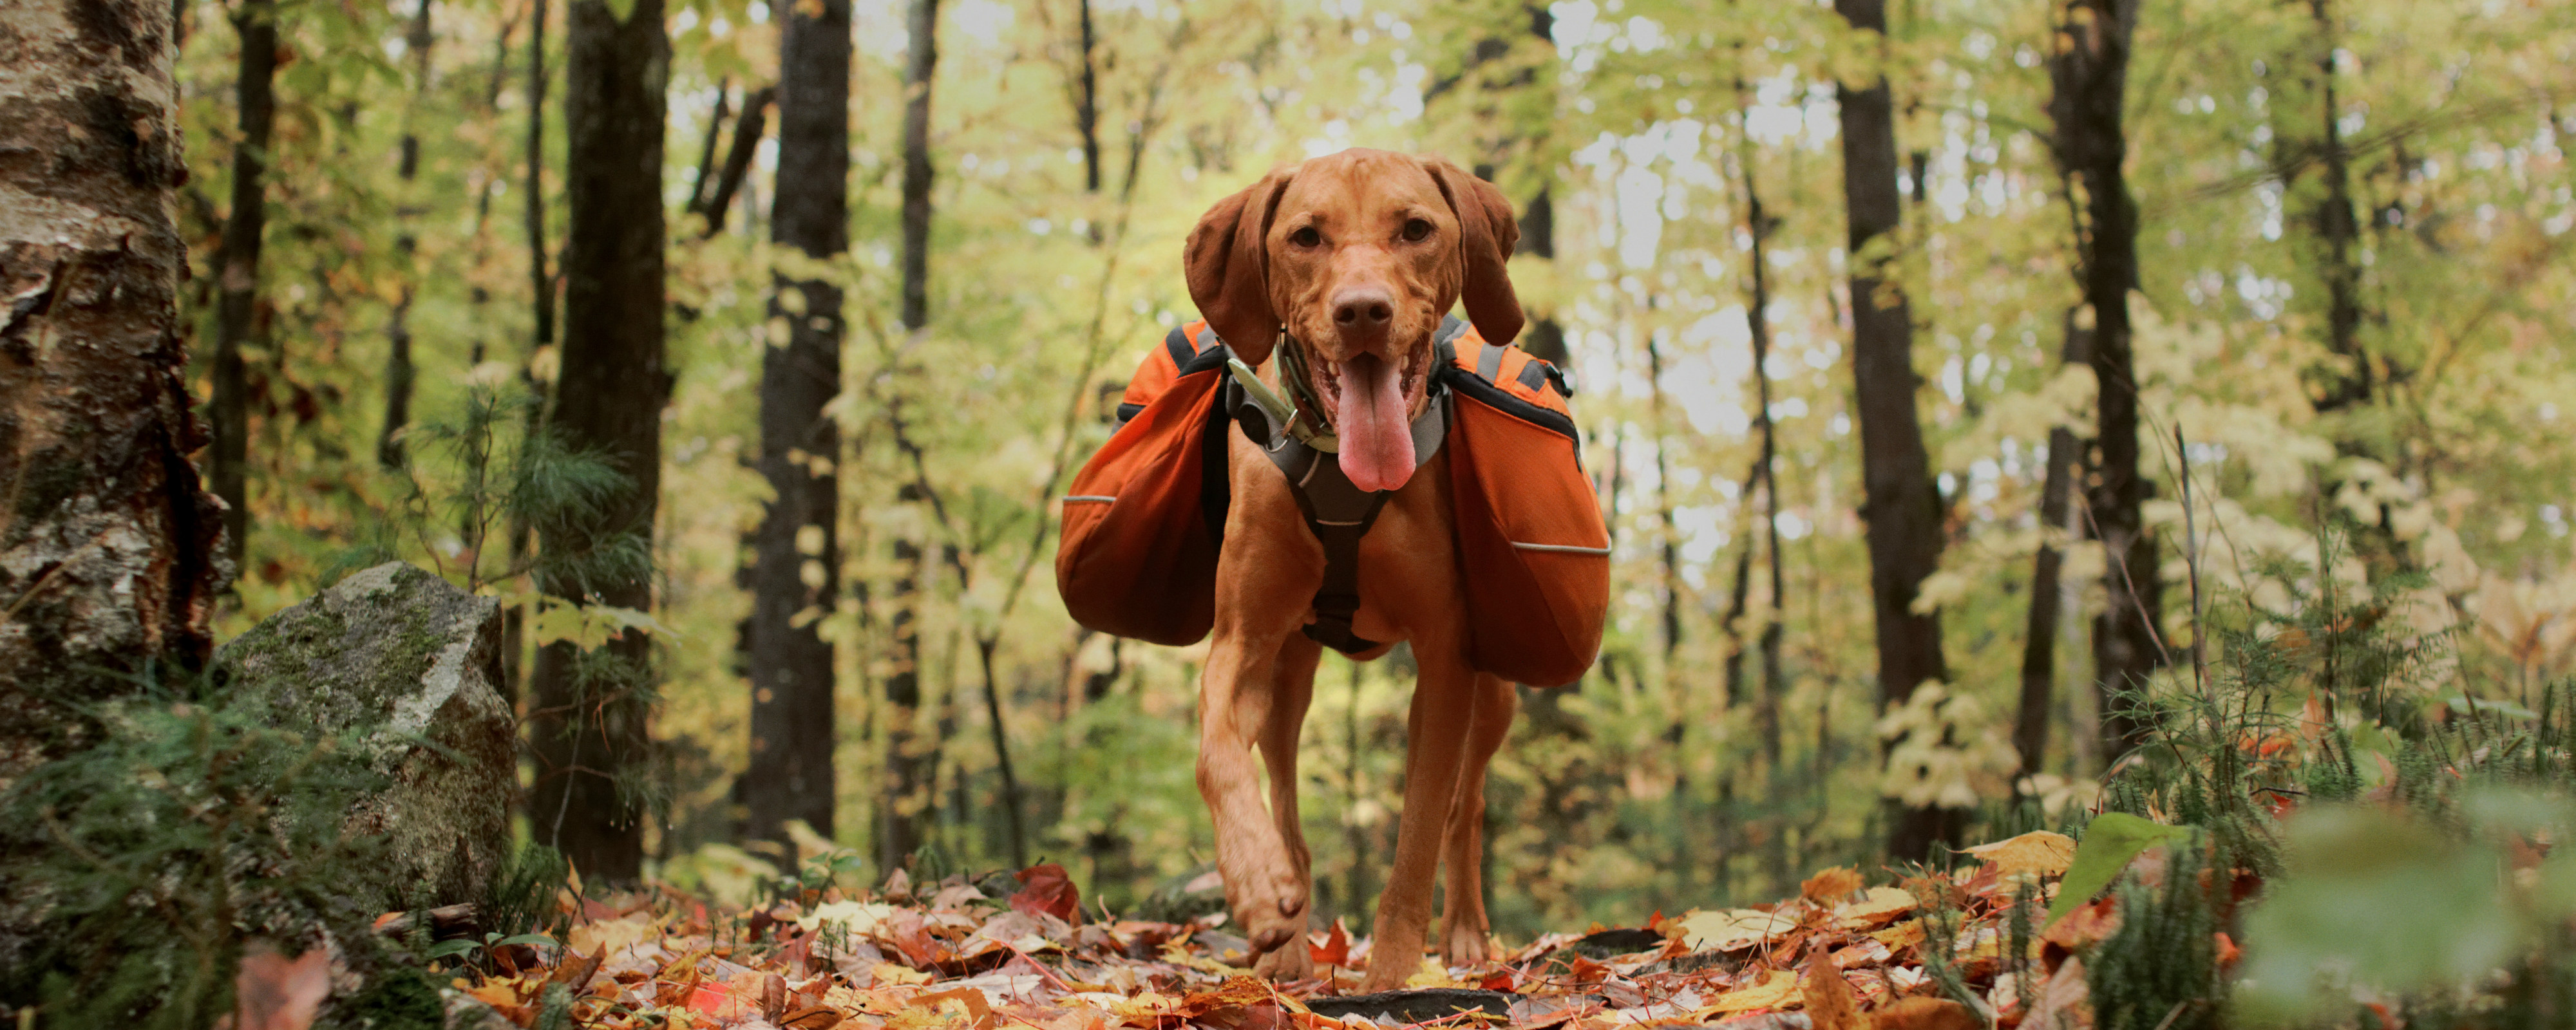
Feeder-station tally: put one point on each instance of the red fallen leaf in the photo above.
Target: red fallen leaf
(715, 1000)
(1048, 890)
(1498, 980)
(274, 992)
(1336, 949)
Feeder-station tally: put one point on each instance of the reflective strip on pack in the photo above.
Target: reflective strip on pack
(1560, 548)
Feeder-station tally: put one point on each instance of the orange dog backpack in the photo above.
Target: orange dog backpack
(1532, 548)
(1144, 520)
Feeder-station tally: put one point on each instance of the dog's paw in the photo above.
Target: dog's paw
(1291, 961)
(1466, 946)
(1271, 908)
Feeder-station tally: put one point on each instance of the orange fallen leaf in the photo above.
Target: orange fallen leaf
(1336, 949)
(978, 1008)
(1831, 886)
(274, 992)
(1777, 988)
(1831, 1005)
(1877, 906)
(1925, 1014)
(2037, 852)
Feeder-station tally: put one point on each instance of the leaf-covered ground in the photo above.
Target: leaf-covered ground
(1935, 951)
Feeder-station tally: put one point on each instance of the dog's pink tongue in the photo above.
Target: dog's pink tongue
(1377, 441)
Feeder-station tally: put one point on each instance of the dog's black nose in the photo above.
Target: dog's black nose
(1363, 307)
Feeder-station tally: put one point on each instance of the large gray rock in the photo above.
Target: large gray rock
(415, 664)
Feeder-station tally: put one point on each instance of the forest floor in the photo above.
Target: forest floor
(1939, 951)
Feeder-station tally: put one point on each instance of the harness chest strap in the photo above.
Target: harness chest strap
(1338, 512)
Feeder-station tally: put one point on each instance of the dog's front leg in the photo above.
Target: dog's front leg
(1238, 701)
(1437, 732)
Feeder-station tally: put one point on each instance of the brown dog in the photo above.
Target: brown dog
(1358, 256)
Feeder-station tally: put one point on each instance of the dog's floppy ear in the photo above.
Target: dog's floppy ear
(1487, 233)
(1228, 267)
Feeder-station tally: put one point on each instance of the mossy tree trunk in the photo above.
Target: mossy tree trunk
(110, 554)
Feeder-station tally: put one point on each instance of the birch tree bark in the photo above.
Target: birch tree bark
(110, 548)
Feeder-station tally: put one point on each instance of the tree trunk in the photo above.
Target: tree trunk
(237, 266)
(541, 283)
(2340, 231)
(110, 553)
(1086, 104)
(1900, 504)
(399, 372)
(921, 64)
(2039, 634)
(912, 763)
(2090, 77)
(591, 719)
(747, 130)
(797, 578)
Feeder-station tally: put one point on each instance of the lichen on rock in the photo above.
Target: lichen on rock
(414, 664)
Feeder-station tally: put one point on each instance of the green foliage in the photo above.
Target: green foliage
(2110, 840)
(2160, 971)
(150, 855)
(520, 897)
(488, 477)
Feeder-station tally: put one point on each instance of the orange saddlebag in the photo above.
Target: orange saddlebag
(1144, 518)
(1532, 548)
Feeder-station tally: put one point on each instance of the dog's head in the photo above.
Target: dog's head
(1358, 254)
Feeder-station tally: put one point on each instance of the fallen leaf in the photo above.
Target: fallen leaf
(812, 1017)
(857, 917)
(978, 1007)
(1777, 988)
(1046, 888)
(273, 992)
(1878, 906)
(2038, 852)
(2064, 1002)
(1733, 929)
(1926, 1014)
(1336, 949)
(1905, 934)
(610, 936)
(1831, 1005)
(1830, 886)
(2084, 925)
(2110, 841)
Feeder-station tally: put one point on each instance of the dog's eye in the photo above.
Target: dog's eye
(1416, 230)
(1306, 237)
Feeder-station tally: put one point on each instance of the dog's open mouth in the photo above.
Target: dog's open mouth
(1370, 402)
